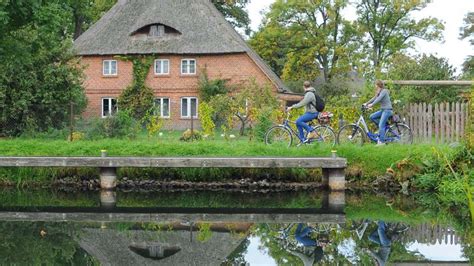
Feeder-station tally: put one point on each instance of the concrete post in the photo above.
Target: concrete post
(337, 201)
(334, 201)
(334, 178)
(108, 199)
(108, 178)
(108, 175)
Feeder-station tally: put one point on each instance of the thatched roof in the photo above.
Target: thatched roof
(112, 247)
(197, 28)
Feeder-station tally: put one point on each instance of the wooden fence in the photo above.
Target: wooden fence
(440, 123)
(433, 234)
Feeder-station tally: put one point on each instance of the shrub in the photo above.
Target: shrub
(121, 125)
(264, 122)
(189, 135)
(205, 116)
(153, 123)
(209, 88)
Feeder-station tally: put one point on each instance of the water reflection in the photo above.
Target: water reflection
(325, 230)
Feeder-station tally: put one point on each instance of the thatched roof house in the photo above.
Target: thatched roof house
(191, 27)
(185, 36)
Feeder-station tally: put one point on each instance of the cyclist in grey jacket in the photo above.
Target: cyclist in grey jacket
(380, 118)
(309, 102)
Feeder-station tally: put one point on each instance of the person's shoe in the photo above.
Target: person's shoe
(312, 135)
(379, 143)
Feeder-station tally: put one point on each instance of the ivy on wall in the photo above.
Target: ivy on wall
(137, 98)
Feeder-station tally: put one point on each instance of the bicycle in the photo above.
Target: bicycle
(395, 131)
(283, 133)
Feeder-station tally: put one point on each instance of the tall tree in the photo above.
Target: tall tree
(235, 13)
(86, 12)
(298, 38)
(467, 32)
(38, 80)
(390, 28)
(425, 67)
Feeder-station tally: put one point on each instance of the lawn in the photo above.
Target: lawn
(370, 160)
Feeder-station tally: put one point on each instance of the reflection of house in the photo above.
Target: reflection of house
(183, 37)
(112, 247)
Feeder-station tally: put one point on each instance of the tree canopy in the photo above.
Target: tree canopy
(389, 28)
(301, 38)
(467, 32)
(39, 78)
(424, 67)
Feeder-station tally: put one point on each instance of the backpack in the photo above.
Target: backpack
(319, 102)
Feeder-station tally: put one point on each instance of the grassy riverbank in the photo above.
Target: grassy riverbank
(365, 163)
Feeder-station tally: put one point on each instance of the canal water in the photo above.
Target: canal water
(47, 227)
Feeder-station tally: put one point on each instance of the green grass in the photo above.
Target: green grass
(372, 160)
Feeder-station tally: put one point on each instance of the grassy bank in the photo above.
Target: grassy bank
(365, 163)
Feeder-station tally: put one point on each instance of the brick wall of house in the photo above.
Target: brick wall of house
(236, 68)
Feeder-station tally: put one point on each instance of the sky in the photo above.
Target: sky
(451, 12)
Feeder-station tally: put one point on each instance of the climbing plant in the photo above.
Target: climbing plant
(138, 97)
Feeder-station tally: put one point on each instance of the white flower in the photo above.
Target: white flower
(160, 134)
(232, 136)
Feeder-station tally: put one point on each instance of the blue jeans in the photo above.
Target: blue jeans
(302, 236)
(301, 124)
(380, 118)
(380, 236)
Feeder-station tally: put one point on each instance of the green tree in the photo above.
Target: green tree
(86, 12)
(298, 38)
(235, 13)
(57, 246)
(467, 32)
(39, 77)
(422, 67)
(390, 28)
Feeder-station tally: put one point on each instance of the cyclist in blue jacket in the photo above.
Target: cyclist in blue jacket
(380, 118)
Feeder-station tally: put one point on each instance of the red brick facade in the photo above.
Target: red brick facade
(236, 68)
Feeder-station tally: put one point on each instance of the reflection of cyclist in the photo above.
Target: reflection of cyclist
(380, 118)
(315, 254)
(379, 237)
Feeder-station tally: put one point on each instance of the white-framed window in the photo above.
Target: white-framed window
(110, 68)
(109, 107)
(162, 66)
(188, 66)
(163, 107)
(189, 105)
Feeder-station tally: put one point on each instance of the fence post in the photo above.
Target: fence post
(436, 122)
(458, 121)
(441, 120)
(463, 120)
(453, 122)
(430, 123)
(471, 120)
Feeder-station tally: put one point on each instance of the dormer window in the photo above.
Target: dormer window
(155, 31)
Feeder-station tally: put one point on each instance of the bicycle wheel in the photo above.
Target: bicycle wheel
(351, 134)
(399, 133)
(278, 136)
(325, 135)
